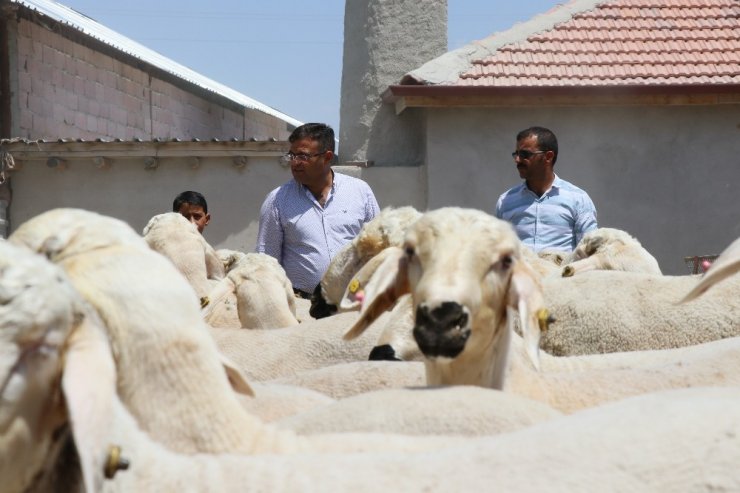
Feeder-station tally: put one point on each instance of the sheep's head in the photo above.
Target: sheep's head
(463, 269)
(387, 229)
(37, 313)
(50, 339)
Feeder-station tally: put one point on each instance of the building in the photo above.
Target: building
(92, 119)
(644, 97)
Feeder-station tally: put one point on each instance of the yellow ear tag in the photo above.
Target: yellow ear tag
(354, 285)
(544, 319)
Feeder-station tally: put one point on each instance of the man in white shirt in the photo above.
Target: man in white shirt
(306, 221)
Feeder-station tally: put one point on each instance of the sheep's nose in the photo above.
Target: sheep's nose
(444, 316)
(442, 330)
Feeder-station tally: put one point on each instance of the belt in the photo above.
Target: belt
(302, 294)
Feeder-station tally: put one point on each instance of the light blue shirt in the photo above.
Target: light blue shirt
(303, 236)
(556, 221)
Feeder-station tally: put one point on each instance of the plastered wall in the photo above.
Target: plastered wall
(128, 191)
(667, 175)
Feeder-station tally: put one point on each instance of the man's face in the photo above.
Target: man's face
(310, 166)
(196, 215)
(535, 166)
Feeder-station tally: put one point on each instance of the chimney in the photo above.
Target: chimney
(383, 40)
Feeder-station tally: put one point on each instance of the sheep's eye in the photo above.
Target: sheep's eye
(505, 262)
(410, 251)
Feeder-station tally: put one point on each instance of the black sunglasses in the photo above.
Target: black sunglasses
(524, 154)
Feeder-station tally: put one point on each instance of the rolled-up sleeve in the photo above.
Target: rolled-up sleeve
(270, 235)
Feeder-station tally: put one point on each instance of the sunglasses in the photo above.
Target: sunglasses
(524, 154)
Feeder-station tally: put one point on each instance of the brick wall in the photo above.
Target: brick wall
(68, 90)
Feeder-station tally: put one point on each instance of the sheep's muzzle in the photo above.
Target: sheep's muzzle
(441, 331)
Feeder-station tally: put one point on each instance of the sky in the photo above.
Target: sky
(286, 54)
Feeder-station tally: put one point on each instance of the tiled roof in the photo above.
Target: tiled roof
(612, 43)
(624, 42)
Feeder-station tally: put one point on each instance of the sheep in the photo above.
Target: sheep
(165, 356)
(34, 315)
(343, 380)
(419, 410)
(727, 264)
(279, 401)
(237, 290)
(179, 240)
(545, 263)
(463, 268)
(600, 312)
(386, 229)
(161, 344)
(264, 294)
(612, 311)
(689, 431)
(609, 249)
(268, 354)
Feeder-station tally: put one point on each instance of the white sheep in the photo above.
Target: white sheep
(610, 311)
(35, 316)
(165, 357)
(268, 354)
(264, 295)
(463, 268)
(342, 380)
(237, 290)
(179, 240)
(386, 229)
(606, 312)
(727, 264)
(690, 431)
(159, 339)
(609, 249)
(417, 411)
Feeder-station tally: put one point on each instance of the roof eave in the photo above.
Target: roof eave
(430, 96)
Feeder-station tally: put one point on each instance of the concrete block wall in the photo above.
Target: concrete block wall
(68, 90)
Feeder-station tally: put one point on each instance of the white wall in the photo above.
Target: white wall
(129, 192)
(667, 175)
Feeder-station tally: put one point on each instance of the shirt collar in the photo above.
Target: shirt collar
(556, 183)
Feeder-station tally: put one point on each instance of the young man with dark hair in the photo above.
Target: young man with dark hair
(193, 206)
(306, 221)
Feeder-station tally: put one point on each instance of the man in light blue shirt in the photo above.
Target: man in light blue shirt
(547, 212)
(306, 221)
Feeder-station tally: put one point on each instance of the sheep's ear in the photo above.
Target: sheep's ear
(727, 264)
(89, 386)
(221, 290)
(525, 294)
(364, 280)
(236, 378)
(388, 282)
(214, 265)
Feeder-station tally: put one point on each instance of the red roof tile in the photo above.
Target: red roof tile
(622, 42)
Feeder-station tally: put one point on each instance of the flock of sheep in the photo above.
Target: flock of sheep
(438, 354)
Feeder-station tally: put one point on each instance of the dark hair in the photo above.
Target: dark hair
(320, 132)
(546, 140)
(190, 197)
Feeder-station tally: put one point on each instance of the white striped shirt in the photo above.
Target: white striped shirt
(556, 221)
(303, 236)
